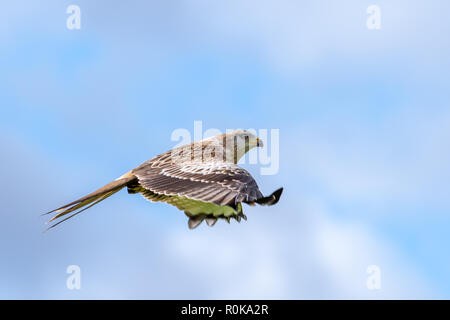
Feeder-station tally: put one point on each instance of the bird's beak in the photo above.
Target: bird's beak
(259, 143)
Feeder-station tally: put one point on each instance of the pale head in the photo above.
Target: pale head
(238, 143)
(225, 147)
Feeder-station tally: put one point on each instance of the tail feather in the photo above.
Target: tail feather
(91, 199)
(119, 182)
(68, 209)
(72, 215)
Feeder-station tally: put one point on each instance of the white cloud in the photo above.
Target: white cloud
(307, 255)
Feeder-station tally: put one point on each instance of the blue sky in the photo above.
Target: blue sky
(364, 124)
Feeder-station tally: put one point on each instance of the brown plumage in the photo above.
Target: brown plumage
(202, 179)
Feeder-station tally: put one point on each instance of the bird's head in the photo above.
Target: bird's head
(241, 142)
(246, 138)
(225, 147)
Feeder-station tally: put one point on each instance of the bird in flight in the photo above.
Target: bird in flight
(202, 179)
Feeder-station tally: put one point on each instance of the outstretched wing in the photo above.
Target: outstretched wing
(220, 183)
(196, 210)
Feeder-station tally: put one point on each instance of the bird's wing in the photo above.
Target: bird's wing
(219, 183)
(196, 210)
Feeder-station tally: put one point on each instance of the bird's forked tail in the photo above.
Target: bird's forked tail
(91, 199)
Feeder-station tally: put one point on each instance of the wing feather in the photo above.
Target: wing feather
(215, 182)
